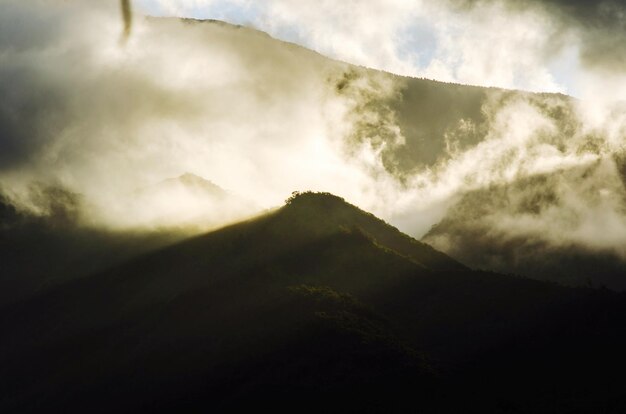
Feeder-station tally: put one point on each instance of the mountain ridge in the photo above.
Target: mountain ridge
(279, 306)
(260, 32)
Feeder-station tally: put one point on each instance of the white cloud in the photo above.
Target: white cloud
(263, 119)
(492, 46)
(488, 45)
(230, 105)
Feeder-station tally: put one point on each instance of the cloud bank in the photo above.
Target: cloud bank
(262, 118)
(256, 116)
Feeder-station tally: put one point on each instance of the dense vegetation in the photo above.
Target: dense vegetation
(315, 307)
(39, 252)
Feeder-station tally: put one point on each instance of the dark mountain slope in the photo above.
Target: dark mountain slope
(39, 252)
(311, 309)
(225, 305)
(429, 110)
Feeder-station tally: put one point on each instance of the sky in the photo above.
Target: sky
(531, 45)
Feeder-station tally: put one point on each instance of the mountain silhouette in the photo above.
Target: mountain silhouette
(316, 306)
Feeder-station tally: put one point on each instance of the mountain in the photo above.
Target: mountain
(53, 244)
(40, 251)
(275, 116)
(188, 202)
(193, 182)
(317, 306)
(502, 156)
(492, 228)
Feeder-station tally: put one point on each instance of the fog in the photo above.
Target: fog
(257, 117)
(114, 121)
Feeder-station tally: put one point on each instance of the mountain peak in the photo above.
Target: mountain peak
(324, 213)
(299, 198)
(194, 181)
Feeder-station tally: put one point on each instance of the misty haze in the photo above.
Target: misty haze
(365, 206)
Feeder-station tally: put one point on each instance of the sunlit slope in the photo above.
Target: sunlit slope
(314, 303)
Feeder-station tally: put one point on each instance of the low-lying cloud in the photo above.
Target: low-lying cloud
(255, 116)
(262, 118)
